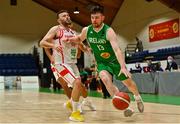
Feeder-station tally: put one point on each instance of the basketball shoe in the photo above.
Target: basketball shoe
(140, 104)
(128, 112)
(68, 105)
(76, 116)
(89, 104)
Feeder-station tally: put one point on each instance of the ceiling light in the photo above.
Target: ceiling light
(76, 10)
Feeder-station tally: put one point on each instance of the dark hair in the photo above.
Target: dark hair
(97, 9)
(61, 11)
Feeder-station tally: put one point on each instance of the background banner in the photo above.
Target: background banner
(165, 30)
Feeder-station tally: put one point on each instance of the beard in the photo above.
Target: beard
(68, 21)
(95, 25)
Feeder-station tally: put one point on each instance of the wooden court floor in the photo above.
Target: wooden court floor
(35, 107)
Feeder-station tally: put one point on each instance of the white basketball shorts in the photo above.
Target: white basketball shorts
(69, 72)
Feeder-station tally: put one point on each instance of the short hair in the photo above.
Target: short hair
(61, 11)
(97, 9)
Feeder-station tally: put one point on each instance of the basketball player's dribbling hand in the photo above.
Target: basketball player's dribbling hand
(59, 49)
(125, 72)
(89, 50)
(66, 40)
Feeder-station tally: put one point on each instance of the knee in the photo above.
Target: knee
(78, 83)
(103, 77)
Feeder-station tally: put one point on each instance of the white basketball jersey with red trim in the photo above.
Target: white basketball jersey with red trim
(69, 50)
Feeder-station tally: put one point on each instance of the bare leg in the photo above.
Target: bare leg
(107, 80)
(76, 90)
(86, 102)
(83, 91)
(75, 115)
(64, 85)
(130, 84)
(112, 89)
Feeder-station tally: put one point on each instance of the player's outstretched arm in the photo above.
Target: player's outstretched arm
(79, 38)
(111, 36)
(46, 42)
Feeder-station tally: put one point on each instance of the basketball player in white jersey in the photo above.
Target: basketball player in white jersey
(64, 55)
(68, 88)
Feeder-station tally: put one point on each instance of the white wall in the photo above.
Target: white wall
(22, 26)
(134, 19)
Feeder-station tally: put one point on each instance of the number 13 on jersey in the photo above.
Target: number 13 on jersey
(100, 47)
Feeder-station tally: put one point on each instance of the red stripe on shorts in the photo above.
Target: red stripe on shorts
(64, 72)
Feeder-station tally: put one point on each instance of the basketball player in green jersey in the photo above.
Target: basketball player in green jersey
(110, 61)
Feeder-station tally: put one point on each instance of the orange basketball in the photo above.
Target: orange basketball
(121, 100)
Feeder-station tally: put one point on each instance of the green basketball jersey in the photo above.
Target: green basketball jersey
(101, 47)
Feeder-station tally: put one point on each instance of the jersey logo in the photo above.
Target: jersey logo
(105, 55)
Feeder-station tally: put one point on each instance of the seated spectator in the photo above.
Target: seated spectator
(150, 67)
(138, 67)
(146, 69)
(158, 67)
(171, 64)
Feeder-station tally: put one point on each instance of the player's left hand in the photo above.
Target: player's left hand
(89, 50)
(125, 72)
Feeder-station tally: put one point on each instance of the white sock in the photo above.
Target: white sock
(85, 99)
(75, 106)
(137, 98)
(129, 108)
(70, 100)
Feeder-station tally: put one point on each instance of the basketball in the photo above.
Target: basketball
(121, 100)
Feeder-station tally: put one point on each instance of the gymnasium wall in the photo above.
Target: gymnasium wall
(134, 18)
(22, 26)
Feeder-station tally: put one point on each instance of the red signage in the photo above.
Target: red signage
(165, 30)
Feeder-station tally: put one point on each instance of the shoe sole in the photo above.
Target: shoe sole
(72, 119)
(140, 107)
(128, 113)
(92, 107)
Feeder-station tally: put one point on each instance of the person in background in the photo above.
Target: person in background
(138, 67)
(139, 45)
(18, 82)
(158, 67)
(149, 67)
(84, 76)
(171, 64)
(104, 90)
